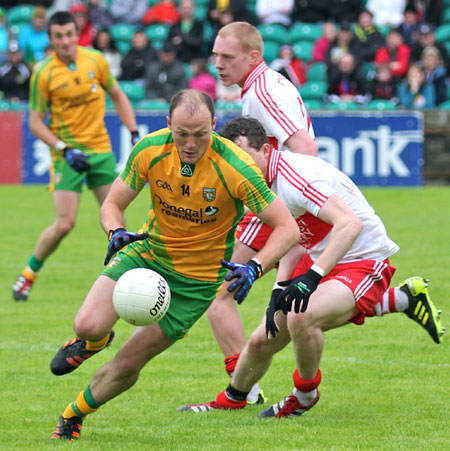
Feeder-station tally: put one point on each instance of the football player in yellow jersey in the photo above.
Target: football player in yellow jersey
(198, 183)
(70, 84)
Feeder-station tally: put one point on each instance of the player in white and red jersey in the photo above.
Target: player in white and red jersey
(343, 278)
(276, 103)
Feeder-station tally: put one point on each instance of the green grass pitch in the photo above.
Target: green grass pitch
(385, 385)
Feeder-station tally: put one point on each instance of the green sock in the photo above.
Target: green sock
(35, 264)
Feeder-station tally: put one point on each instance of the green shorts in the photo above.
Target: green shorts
(103, 172)
(189, 298)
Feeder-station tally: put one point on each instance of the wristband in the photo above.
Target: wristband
(318, 270)
(112, 232)
(258, 266)
(60, 146)
(277, 287)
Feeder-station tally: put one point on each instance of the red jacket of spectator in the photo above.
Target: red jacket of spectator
(163, 12)
(383, 56)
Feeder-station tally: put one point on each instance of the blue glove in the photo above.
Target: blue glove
(245, 274)
(272, 310)
(299, 290)
(119, 238)
(134, 137)
(77, 160)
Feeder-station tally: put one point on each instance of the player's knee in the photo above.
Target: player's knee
(64, 226)
(87, 327)
(300, 323)
(220, 307)
(258, 344)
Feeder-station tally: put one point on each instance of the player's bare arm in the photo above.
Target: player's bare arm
(346, 228)
(284, 236)
(123, 107)
(112, 212)
(39, 128)
(301, 142)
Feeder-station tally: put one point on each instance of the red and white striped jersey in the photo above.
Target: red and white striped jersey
(304, 183)
(275, 102)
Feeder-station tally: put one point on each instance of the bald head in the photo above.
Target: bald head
(191, 101)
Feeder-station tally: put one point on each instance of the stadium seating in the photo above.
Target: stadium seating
(380, 105)
(313, 104)
(317, 72)
(157, 33)
(343, 106)
(152, 104)
(19, 14)
(313, 90)
(304, 32)
(122, 35)
(303, 50)
(271, 51)
(442, 33)
(276, 33)
(134, 91)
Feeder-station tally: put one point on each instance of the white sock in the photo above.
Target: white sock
(305, 397)
(401, 302)
(253, 394)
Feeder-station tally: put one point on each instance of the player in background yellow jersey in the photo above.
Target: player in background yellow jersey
(70, 85)
(198, 184)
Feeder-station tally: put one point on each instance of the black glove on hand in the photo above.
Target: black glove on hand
(245, 274)
(271, 325)
(76, 159)
(134, 137)
(119, 238)
(299, 290)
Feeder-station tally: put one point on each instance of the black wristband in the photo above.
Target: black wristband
(256, 265)
(134, 133)
(112, 232)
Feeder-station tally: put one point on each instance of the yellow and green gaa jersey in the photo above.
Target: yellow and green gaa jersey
(74, 94)
(195, 208)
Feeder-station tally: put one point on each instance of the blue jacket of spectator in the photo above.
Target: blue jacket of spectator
(33, 42)
(424, 99)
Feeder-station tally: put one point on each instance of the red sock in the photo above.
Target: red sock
(306, 385)
(230, 363)
(391, 294)
(226, 403)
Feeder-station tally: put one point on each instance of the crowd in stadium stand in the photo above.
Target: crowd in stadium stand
(385, 54)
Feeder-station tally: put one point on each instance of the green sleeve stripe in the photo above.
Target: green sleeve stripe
(34, 85)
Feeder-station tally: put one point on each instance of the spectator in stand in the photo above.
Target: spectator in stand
(340, 46)
(135, 63)
(164, 11)
(15, 75)
(429, 11)
(387, 12)
(383, 87)
(345, 10)
(435, 72)
(99, 14)
(311, 11)
(61, 5)
(321, 45)
(415, 92)
(187, 34)
(202, 79)
(427, 38)
(104, 42)
(4, 37)
(348, 83)
(128, 11)
(410, 27)
(275, 12)
(237, 8)
(395, 54)
(166, 76)
(86, 30)
(367, 38)
(289, 66)
(34, 39)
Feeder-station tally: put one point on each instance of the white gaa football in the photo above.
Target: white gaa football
(141, 297)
